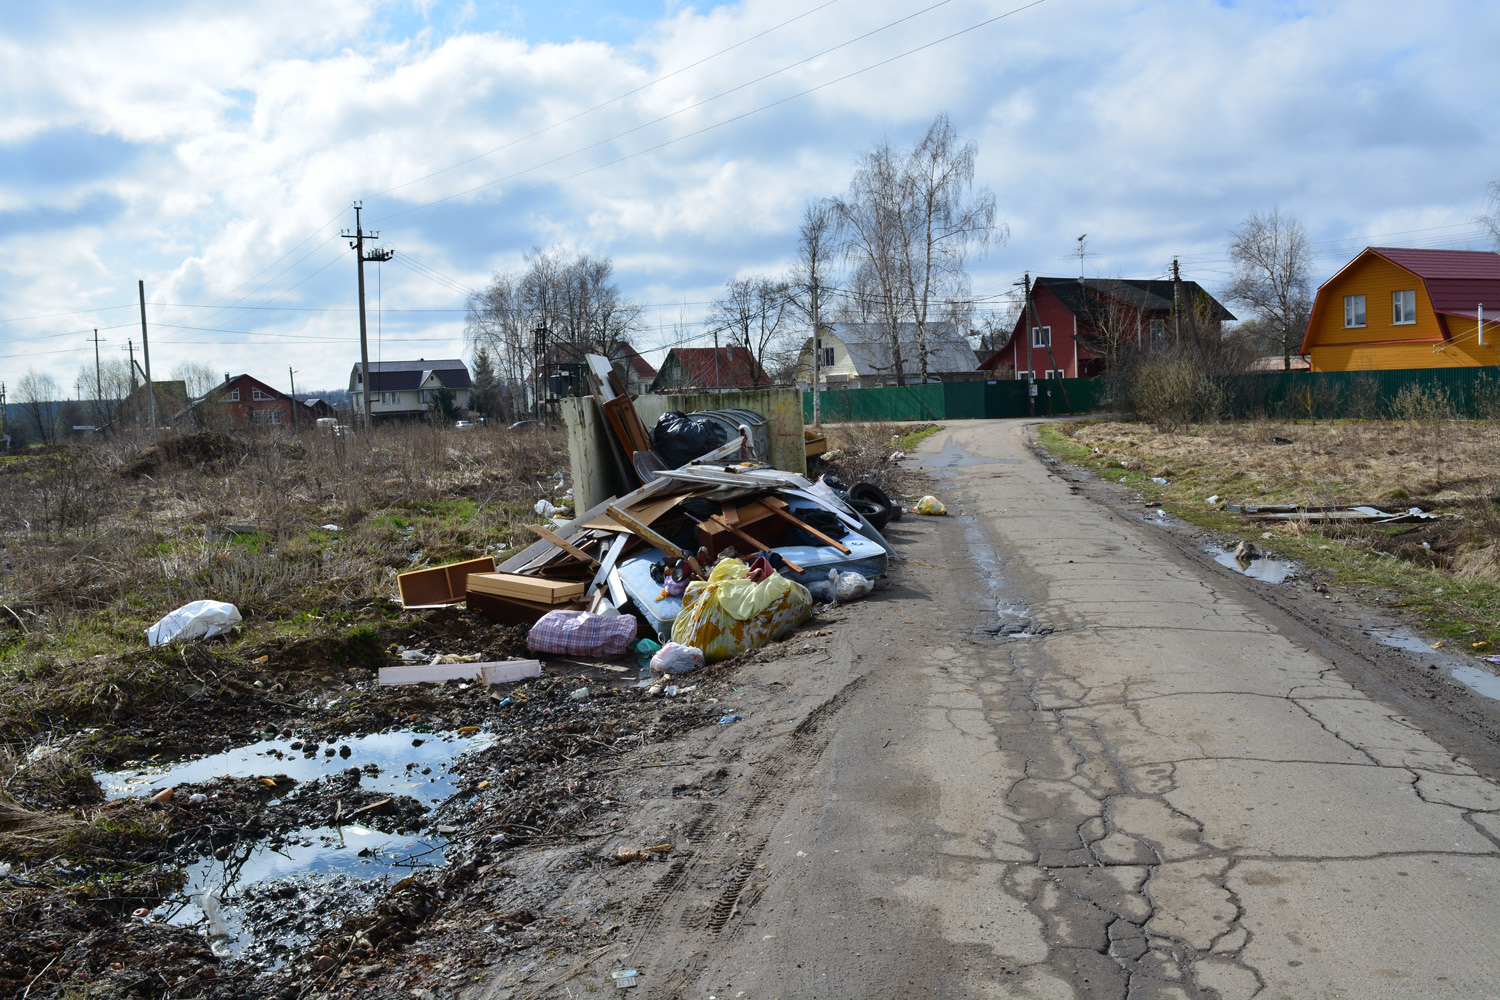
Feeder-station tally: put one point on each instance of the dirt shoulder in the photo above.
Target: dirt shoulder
(1355, 620)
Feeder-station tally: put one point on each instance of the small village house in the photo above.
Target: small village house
(859, 355)
(709, 369)
(1079, 321)
(408, 390)
(1394, 308)
(241, 402)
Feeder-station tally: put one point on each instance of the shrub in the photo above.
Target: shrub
(1173, 391)
(1423, 402)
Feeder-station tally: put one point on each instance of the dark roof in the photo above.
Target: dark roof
(735, 369)
(394, 376)
(1457, 281)
(1148, 295)
(228, 383)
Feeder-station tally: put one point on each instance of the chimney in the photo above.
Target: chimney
(226, 378)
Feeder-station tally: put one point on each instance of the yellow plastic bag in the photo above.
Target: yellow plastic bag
(727, 614)
(930, 505)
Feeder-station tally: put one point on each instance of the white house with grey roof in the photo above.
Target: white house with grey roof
(407, 390)
(860, 355)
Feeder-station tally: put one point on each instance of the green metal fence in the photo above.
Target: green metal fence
(1418, 393)
(956, 400)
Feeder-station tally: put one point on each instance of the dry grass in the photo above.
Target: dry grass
(870, 453)
(1449, 569)
(97, 541)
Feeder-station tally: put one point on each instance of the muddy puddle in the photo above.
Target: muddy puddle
(1476, 679)
(267, 891)
(953, 456)
(1262, 569)
(1012, 619)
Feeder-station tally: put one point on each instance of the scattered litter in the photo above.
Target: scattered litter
(675, 658)
(546, 509)
(1158, 480)
(1356, 513)
(1280, 440)
(725, 720)
(578, 694)
(849, 585)
(625, 978)
(930, 505)
(1213, 499)
(496, 672)
(728, 614)
(198, 620)
(332, 527)
(1481, 644)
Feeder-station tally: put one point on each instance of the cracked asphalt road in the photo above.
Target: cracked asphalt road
(1058, 760)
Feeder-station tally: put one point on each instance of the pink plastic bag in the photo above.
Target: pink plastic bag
(579, 633)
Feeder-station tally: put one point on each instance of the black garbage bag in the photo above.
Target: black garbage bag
(825, 521)
(680, 438)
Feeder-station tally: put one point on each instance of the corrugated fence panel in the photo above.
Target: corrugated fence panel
(955, 400)
(1414, 392)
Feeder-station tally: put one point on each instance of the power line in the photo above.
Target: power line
(706, 128)
(613, 100)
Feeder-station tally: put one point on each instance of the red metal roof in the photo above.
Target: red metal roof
(1466, 264)
(736, 368)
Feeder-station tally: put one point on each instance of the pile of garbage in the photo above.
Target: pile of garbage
(715, 556)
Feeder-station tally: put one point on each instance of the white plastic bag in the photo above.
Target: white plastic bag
(198, 620)
(675, 658)
(849, 585)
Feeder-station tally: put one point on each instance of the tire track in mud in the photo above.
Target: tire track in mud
(729, 867)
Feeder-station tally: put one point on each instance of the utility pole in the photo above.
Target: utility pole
(718, 385)
(135, 404)
(146, 350)
(1030, 344)
(1176, 297)
(357, 242)
(4, 433)
(539, 343)
(817, 370)
(291, 380)
(1176, 303)
(98, 382)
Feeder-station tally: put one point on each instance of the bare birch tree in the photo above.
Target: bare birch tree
(913, 219)
(1272, 261)
(753, 312)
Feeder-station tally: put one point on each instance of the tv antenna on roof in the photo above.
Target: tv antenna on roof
(1081, 253)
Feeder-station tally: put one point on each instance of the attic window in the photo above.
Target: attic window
(827, 361)
(234, 395)
(1041, 336)
(1404, 307)
(257, 394)
(1354, 310)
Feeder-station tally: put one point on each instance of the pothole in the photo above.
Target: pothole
(1257, 568)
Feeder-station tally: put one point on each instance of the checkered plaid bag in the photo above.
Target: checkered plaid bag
(579, 633)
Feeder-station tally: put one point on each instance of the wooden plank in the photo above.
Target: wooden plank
(493, 672)
(791, 518)
(527, 588)
(439, 585)
(655, 540)
(610, 559)
(756, 546)
(563, 544)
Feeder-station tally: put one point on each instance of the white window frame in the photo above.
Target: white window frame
(1400, 314)
(1158, 330)
(259, 396)
(234, 395)
(1041, 336)
(1354, 309)
(1057, 373)
(276, 416)
(1025, 376)
(827, 361)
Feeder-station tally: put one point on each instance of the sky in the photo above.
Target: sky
(214, 151)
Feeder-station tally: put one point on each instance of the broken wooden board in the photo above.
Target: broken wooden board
(535, 589)
(494, 672)
(562, 543)
(440, 586)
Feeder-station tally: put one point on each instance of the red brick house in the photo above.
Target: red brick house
(708, 369)
(1080, 319)
(243, 401)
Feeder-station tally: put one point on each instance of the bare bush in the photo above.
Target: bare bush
(1423, 402)
(1172, 391)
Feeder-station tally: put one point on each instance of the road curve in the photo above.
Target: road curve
(1055, 761)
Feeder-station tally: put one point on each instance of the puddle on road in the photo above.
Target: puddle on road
(1476, 680)
(1403, 640)
(1012, 620)
(953, 456)
(1265, 570)
(317, 872)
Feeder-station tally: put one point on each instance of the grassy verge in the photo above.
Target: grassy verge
(1443, 573)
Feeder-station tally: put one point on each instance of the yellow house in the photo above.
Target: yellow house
(1396, 308)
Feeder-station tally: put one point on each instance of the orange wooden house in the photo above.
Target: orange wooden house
(1396, 308)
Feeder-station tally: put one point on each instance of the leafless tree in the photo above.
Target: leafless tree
(197, 378)
(570, 306)
(753, 313)
(913, 219)
(1491, 220)
(812, 275)
(37, 394)
(1272, 261)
